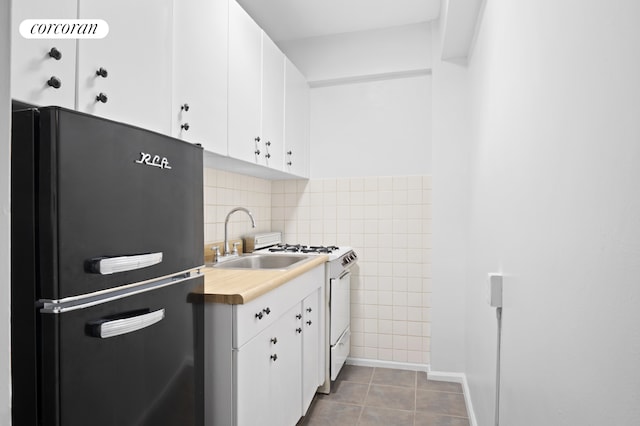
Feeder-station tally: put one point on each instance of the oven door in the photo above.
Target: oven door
(340, 304)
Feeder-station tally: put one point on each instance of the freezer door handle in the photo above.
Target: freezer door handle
(110, 328)
(111, 265)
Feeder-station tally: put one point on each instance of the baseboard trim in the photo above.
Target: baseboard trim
(461, 378)
(388, 364)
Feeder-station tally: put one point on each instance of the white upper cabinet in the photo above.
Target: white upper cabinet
(43, 72)
(272, 104)
(296, 122)
(199, 107)
(126, 76)
(245, 86)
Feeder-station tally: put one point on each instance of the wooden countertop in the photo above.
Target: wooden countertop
(239, 286)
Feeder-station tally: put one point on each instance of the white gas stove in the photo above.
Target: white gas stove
(338, 293)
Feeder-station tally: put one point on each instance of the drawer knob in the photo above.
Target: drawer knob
(274, 340)
(298, 330)
(309, 322)
(259, 315)
(309, 309)
(274, 357)
(184, 107)
(267, 310)
(299, 316)
(185, 126)
(102, 98)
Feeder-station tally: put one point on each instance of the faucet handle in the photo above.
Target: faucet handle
(235, 247)
(216, 253)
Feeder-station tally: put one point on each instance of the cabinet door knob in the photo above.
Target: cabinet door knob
(298, 330)
(185, 126)
(184, 107)
(267, 155)
(268, 143)
(309, 309)
(267, 310)
(259, 315)
(274, 340)
(257, 139)
(289, 163)
(299, 316)
(309, 322)
(55, 54)
(102, 98)
(289, 152)
(274, 357)
(257, 152)
(54, 82)
(102, 73)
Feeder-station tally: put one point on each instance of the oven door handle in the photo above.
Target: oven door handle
(111, 265)
(344, 274)
(121, 326)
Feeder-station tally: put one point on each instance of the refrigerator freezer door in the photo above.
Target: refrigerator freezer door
(112, 191)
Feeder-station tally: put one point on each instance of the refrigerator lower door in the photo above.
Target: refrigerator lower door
(132, 361)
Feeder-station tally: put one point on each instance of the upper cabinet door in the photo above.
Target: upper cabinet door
(199, 108)
(245, 81)
(272, 103)
(126, 76)
(296, 122)
(43, 72)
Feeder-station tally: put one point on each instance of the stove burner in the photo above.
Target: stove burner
(298, 248)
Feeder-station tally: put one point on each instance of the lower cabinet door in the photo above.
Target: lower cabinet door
(268, 374)
(311, 371)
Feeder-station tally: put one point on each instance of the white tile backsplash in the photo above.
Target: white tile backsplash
(387, 220)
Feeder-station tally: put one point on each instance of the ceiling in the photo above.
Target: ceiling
(286, 20)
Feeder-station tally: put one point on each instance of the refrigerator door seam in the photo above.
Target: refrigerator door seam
(93, 299)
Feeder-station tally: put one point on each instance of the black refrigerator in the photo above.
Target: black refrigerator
(107, 250)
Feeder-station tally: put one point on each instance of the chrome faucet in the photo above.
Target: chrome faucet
(226, 225)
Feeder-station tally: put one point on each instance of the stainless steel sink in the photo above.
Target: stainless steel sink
(262, 261)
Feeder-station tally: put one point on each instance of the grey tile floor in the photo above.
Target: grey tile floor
(371, 396)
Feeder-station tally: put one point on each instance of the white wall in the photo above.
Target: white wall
(376, 128)
(554, 106)
(344, 56)
(5, 216)
(450, 212)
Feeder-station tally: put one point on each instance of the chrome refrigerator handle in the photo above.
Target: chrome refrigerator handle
(111, 265)
(126, 325)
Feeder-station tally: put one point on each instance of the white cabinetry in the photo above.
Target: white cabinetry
(199, 107)
(43, 72)
(245, 85)
(136, 55)
(272, 110)
(296, 122)
(312, 349)
(260, 355)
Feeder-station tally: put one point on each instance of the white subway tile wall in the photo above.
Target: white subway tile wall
(222, 192)
(387, 220)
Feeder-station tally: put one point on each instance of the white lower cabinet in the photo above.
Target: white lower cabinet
(262, 359)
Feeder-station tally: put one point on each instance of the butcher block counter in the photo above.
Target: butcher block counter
(239, 286)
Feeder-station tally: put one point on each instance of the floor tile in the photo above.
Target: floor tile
(391, 397)
(347, 392)
(372, 416)
(430, 419)
(329, 413)
(441, 403)
(435, 385)
(355, 373)
(393, 377)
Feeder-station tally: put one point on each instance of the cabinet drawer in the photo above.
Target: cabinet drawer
(253, 317)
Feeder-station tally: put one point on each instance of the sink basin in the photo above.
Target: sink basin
(261, 261)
